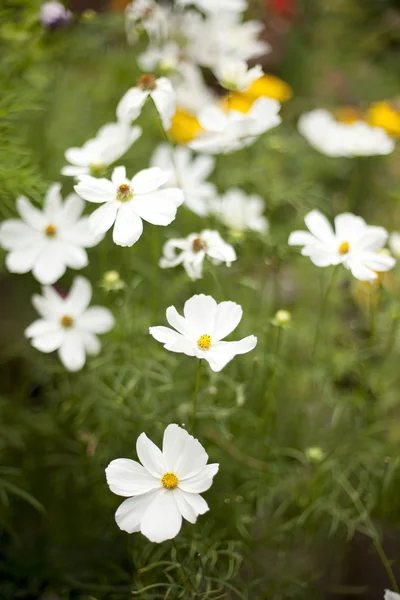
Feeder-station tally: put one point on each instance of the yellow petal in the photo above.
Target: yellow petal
(184, 127)
(384, 115)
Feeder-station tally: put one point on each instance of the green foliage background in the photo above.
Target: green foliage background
(280, 524)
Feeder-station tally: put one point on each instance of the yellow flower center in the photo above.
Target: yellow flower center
(169, 481)
(67, 321)
(124, 193)
(50, 231)
(204, 342)
(344, 248)
(184, 127)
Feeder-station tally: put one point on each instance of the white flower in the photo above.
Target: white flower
(227, 132)
(191, 252)
(147, 15)
(354, 244)
(389, 595)
(200, 331)
(189, 173)
(47, 242)
(165, 58)
(334, 138)
(240, 212)
(192, 94)
(160, 91)
(68, 325)
(394, 243)
(165, 487)
(235, 75)
(110, 143)
(216, 6)
(127, 202)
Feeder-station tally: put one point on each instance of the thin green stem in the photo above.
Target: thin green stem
(274, 369)
(156, 258)
(196, 395)
(373, 532)
(322, 309)
(373, 306)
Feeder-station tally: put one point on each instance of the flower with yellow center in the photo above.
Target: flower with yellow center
(184, 127)
(267, 86)
(159, 90)
(344, 248)
(67, 321)
(50, 231)
(386, 116)
(164, 487)
(204, 342)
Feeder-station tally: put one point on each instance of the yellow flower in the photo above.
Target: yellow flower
(267, 86)
(382, 114)
(184, 127)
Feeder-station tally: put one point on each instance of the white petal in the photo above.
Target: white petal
(53, 200)
(183, 454)
(197, 502)
(389, 595)
(79, 297)
(22, 260)
(200, 311)
(149, 180)
(91, 343)
(150, 456)
(72, 351)
(159, 208)
(184, 507)
(41, 327)
(103, 218)
(301, 238)
(173, 341)
(80, 234)
(70, 171)
(227, 317)
(96, 319)
(15, 234)
(70, 212)
(75, 257)
(178, 322)
(95, 189)
(165, 100)
(119, 176)
(361, 272)
(131, 104)
(162, 520)
(201, 482)
(31, 215)
(130, 513)
(128, 226)
(47, 308)
(127, 477)
(319, 226)
(51, 264)
(348, 226)
(48, 342)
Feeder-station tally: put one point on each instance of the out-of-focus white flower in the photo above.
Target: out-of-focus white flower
(335, 138)
(235, 75)
(126, 202)
(68, 324)
(394, 243)
(200, 331)
(389, 595)
(165, 58)
(224, 132)
(188, 172)
(354, 244)
(47, 242)
(54, 14)
(160, 91)
(164, 487)
(110, 143)
(149, 16)
(240, 212)
(216, 6)
(192, 94)
(191, 252)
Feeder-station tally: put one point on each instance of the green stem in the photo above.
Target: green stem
(355, 498)
(373, 305)
(156, 258)
(196, 395)
(274, 369)
(322, 309)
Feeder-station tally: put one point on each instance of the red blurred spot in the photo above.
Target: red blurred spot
(283, 8)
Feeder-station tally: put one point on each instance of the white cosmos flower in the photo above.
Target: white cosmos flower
(189, 173)
(241, 212)
(126, 202)
(148, 15)
(165, 487)
(216, 6)
(354, 244)
(191, 252)
(226, 132)
(165, 58)
(192, 94)
(200, 331)
(235, 75)
(110, 143)
(48, 241)
(389, 595)
(394, 243)
(68, 324)
(334, 138)
(160, 91)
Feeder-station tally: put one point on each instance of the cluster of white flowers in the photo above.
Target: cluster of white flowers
(166, 486)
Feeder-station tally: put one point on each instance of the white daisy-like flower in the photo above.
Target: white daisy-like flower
(241, 212)
(93, 158)
(389, 595)
(165, 58)
(224, 132)
(394, 243)
(159, 90)
(68, 324)
(191, 252)
(334, 138)
(146, 15)
(216, 6)
(354, 244)
(201, 330)
(192, 94)
(165, 487)
(235, 75)
(48, 241)
(188, 172)
(126, 202)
